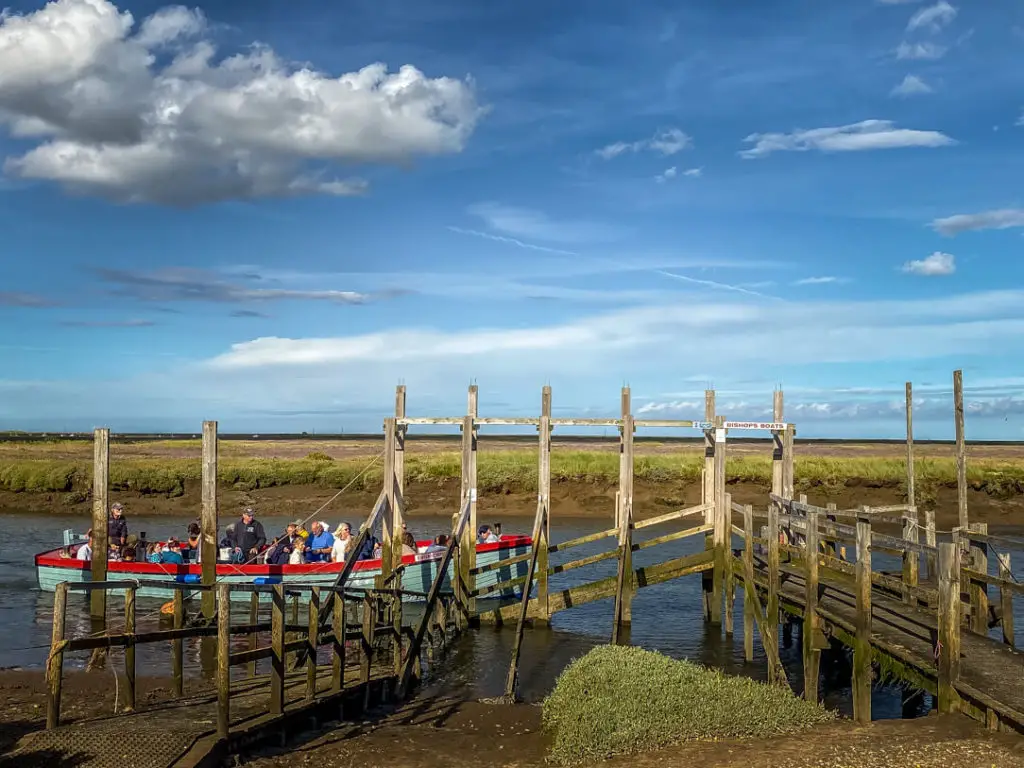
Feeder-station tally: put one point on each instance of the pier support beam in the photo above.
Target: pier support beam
(911, 494)
(208, 519)
(862, 637)
(391, 546)
(544, 499)
(624, 616)
(949, 627)
(708, 497)
(467, 555)
(721, 521)
(811, 631)
(100, 505)
(961, 454)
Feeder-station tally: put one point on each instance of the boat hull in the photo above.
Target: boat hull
(418, 576)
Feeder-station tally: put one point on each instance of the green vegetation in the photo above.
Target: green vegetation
(501, 472)
(622, 700)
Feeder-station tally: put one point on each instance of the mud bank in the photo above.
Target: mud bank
(569, 500)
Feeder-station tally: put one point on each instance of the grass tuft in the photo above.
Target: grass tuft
(620, 700)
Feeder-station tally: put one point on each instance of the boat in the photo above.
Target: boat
(61, 565)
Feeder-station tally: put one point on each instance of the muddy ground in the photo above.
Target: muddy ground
(440, 732)
(569, 500)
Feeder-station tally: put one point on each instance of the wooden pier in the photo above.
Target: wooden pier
(926, 623)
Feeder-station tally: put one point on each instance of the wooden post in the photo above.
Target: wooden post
(313, 641)
(223, 659)
(748, 568)
(467, 560)
(929, 539)
(812, 621)
(366, 649)
(770, 631)
(978, 589)
(624, 580)
(961, 454)
(177, 645)
(129, 650)
(721, 521)
(626, 509)
(277, 647)
(788, 474)
(830, 547)
(708, 497)
(391, 545)
(338, 629)
(910, 445)
(544, 498)
(626, 408)
(911, 555)
(100, 504)
(778, 454)
(949, 627)
(1006, 598)
(396, 625)
(400, 433)
(862, 640)
(254, 638)
(730, 570)
(208, 520)
(55, 662)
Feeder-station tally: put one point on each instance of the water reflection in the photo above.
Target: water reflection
(666, 617)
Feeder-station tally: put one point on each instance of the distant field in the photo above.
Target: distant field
(166, 467)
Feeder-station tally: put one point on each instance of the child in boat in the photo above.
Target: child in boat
(85, 551)
(298, 555)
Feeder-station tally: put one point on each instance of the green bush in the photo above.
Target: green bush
(622, 700)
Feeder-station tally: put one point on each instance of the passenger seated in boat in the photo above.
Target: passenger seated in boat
(117, 526)
(439, 544)
(343, 542)
(166, 554)
(320, 544)
(487, 535)
(193, 547)
(114, 552)
(408, 544)
(85, 550)
(298, 554)
(248, 538)
(279, 551)
(128, 554)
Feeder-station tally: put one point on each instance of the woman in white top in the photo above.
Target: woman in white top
(85, 551)
(342, 543)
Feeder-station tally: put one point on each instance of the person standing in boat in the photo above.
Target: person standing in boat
(248, 538)
(117, 526)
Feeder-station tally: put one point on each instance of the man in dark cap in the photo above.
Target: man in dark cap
(117, 526)
(248, 537)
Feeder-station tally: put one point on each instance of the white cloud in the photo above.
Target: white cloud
(669, 173)
(933, 18)
(1004, 218)
(694, 172)
(865, 135)
(527, 223)
(910, 86)
(849, 331)
(937, 264)
(922, 50)
(665, 142)
(151, 115)
(817, 280)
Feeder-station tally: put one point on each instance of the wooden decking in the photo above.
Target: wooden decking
(903, 622)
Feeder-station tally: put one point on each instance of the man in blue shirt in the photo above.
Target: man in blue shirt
(320, 544)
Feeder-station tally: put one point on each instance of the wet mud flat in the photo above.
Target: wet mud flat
(442, 732)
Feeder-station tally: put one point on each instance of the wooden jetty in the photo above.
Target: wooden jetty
(927, 625)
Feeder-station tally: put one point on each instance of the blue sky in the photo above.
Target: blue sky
(271, 213)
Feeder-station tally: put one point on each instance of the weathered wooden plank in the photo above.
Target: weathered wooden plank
(748, 563)
(55, 662)
(177, 645)
(312, 637)
(961, 454)
(978, 589)
(720, 522)
(861, 687)
(812, 621)
(683, 534)
(708, 499)
(949, 627)
(766, 621)
(544, 497)
(563, 545)
(208, 519)
(730, 574)
(669, 516)
(129, 650)
(223, 659)
(539, 524)
(769, 630)
(100, 507)
(911, 494)
(277, 670)
(1006, 598)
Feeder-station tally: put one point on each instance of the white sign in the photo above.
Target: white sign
(772, 425)
(719, 435)
(703, 425)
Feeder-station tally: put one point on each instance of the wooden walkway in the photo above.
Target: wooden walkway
(183, 733)
(904, 628)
